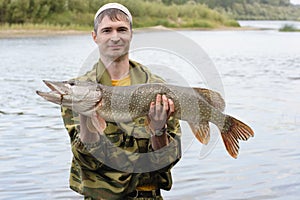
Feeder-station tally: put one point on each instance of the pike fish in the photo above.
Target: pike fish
(197, 106)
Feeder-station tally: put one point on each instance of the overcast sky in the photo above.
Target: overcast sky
(295, 1)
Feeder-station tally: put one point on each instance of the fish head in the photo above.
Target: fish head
(81, 97)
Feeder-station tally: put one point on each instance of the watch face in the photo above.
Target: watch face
(159, 132)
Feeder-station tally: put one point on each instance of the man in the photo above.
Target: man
(96, 170)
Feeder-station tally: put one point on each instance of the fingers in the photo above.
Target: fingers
(160, 111)
(158, 106)
(171, 107)
(98, 122)
(161, 105)
(165, 103)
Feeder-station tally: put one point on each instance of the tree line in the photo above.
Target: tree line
(81, 12)
(170, 13)
(255, 9)
(45, 11)
(249, 9)
(229, 3)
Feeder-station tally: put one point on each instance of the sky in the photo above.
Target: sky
(295, 1)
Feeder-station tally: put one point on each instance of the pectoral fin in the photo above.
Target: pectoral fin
(201, 131)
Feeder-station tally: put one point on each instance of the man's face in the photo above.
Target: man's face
(113, 38)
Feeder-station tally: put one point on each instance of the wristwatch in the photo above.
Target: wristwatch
(161, 131)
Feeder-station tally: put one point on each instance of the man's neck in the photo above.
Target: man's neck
(118, 68)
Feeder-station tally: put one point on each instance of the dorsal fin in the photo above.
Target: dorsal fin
(212, 97)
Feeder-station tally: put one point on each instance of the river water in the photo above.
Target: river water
(260, 75)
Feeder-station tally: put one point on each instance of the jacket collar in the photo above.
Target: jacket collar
(137, 74)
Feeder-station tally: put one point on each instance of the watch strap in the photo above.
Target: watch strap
(160, 132)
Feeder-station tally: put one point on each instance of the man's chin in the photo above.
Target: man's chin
(117, 56)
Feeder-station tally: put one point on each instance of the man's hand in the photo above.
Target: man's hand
(91, 127)
(159, 112)
(98, 123)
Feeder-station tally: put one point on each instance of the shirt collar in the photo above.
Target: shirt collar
(137, 74)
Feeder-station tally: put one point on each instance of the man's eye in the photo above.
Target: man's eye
(123, 29)
(105, 31)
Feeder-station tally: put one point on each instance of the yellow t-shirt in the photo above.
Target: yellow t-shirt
(122, 82)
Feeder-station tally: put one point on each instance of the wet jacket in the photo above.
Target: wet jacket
(123, 158)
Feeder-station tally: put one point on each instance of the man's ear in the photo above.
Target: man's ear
(94, 35)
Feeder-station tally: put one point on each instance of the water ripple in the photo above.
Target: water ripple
(259, 70)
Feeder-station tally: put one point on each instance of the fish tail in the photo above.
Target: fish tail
(232, 131)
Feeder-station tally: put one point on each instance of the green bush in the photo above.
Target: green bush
(289, 28)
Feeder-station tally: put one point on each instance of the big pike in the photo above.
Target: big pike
(197, 106)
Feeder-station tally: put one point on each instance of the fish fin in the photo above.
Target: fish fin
(233, 131)
(213, 98)
(201, 131)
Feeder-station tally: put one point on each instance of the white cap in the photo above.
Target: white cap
(116, 6)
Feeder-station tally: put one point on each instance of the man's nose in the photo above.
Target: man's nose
(115, 36)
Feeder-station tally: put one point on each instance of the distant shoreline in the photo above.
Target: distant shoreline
(24, 33)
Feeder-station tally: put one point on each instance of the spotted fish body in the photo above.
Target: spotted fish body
(197, 106)
(123, 104)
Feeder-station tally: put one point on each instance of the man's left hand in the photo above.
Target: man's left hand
(159, 112)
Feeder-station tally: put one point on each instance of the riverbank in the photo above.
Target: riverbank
(31, 30)
(40, 30)
(23, 33)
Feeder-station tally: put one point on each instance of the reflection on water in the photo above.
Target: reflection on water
(260, 71)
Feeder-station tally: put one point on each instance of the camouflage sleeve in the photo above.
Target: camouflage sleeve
(172, 153)
(174, 131)
(79, 150)
(158, 164)
(168, 155)
(93, 155)
(92, 173)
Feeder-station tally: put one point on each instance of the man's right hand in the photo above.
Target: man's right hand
(91, 127)
(98, 123)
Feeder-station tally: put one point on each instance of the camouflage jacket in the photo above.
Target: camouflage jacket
(123, 158)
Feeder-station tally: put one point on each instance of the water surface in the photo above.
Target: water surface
(260, 72)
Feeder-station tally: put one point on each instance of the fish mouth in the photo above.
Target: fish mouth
(61, 93)
(58, 87)
(58, 90)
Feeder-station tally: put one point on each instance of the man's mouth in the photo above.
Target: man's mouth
(115, 46)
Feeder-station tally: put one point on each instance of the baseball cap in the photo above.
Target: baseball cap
(116, 6)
